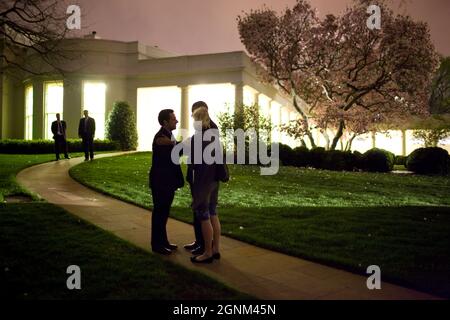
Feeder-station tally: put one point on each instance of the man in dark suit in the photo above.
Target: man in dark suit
(59, 135)
(86, 131)
(164, 179)
(197, 247)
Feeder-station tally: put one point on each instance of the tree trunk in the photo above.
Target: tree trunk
(304, 117)
(350, 142)
(338, 135)
(303, 143)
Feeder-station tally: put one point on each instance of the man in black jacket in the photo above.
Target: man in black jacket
(165, 178)
(86, 131)
(59, 135)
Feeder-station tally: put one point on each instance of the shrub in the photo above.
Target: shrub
(121, 126)
(429, 161)
(11, 146)
(287, 157)
(351, 161)
(337, 160)
(378, 160)
(400, 160)
(301, 157)
(317, 158)
(334, 160)
(358, 158)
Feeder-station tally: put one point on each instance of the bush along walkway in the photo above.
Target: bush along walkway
(256, 271)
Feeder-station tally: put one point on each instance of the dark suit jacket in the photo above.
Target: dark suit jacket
(164, 174)
(55, 128)
(89, 131)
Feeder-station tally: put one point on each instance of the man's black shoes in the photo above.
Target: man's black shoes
(171, 246)
(162, 250)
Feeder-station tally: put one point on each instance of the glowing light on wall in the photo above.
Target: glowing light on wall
(29, 113)
(275, 111)
(362, 143)
(150, 101)
(293, 115)
(264, 105)
(284, 121)
(390, 141)
(412, 143)
(94, 95)
(250, 96)
(53, 104)
(219, 98)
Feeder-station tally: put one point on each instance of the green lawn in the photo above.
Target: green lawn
(348, 220)
(10, 165)
(38, 241)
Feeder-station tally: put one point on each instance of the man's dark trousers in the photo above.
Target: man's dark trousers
(162, 201)
(60, 145)
(88, 146)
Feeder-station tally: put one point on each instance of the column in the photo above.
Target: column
(239, 102)
(185, 109)
(374, 142)
(256, 97)
(72, 106)
(404, 143)
(38, 110)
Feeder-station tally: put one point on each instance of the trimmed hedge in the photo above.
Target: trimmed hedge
(286, 155)
(429, 161)
(378, 160)
(318, 158)
(11, 146)
(336, 160)
(301, 157)
(400, 160)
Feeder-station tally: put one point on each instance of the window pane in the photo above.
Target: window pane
(29, 113)
(94, 101)
(54, 95)
(150, 101)
(219, 98)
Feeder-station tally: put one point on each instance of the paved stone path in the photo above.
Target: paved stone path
(259, 272)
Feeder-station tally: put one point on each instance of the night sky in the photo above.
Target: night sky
(208, 26)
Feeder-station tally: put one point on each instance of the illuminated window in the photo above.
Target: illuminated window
(29, 113)
(53, 104)
(150, 101)
(94, 95)
(219, 98)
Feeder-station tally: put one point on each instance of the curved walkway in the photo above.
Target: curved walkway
(259, 272)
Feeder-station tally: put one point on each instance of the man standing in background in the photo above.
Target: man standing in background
(86, 131)
(59, 135)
